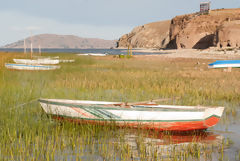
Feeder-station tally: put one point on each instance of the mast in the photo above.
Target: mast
(31, 45)
(39, 49)
(24, 44)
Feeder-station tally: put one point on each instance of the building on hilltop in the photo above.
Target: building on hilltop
(204, 7)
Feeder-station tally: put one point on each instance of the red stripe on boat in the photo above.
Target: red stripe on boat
(83, 113)
(168, 126)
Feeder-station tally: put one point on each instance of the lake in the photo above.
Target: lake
(27, 133)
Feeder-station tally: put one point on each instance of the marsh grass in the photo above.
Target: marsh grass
(27, 133)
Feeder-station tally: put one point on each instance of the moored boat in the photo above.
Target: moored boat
(45, 57)
(42, 61)
(67, 61)
(147, 116)
(93, 54)
(225, 64)
(30, 67)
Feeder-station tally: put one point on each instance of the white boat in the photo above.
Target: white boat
(225, 64)
(92, 54)
(67, 61)
(45, 57)
(36, 61)
(149, 116)
(30, 67)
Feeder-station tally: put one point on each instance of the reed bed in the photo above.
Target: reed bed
(28, 134)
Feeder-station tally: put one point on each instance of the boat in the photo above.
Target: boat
(42, 61)
(135, 115)
(45, 57)
(93, 54)
(66, 60)
(30, 67)
(225, 64)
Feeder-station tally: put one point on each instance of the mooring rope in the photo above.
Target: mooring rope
(23, 104)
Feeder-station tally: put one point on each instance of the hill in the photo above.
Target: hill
(62, 42)
(152, 35)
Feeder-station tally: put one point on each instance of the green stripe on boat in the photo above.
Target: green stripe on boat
(92, 112)
(109, 114)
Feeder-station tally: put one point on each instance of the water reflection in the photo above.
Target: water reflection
(161, 145)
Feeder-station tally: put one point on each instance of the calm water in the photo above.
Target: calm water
(77, 51)
(229, 128)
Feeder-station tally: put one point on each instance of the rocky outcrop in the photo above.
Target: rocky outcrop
(202, 31)
(198, 31)
(63, 42)
(228, 34)
(152, 35)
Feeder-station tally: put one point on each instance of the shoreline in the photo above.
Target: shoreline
(190, 53)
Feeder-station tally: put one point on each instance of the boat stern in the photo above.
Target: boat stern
(212, 116)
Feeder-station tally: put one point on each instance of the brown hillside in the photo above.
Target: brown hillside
(202, 31)
(152, 35)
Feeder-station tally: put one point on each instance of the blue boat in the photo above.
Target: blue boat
(225, 64)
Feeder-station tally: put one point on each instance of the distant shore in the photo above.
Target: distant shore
(192, 53)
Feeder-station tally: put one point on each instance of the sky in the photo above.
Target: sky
(106, 19)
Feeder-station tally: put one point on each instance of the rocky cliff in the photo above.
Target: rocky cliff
(228, 34)
(152, 35)
(218, 28)
(63, 41)
(201, 31)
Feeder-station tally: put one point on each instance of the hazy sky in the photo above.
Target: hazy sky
(107, 19)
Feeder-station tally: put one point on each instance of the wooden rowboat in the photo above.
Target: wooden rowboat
(42, 61)
(30, 67)
(147, 116)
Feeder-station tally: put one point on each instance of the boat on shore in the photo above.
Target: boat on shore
(93, 54)
(45, 57)
(30, 67)
(41, 61)
(137, 115)
(225, 64)
(66, 60)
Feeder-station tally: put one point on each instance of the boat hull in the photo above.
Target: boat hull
(161, 126)
(225, 64)
(30, 67)
(67, 61)
(170, 119)
(36, 61)
(92, 54)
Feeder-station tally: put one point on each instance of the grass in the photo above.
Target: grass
(28, 134)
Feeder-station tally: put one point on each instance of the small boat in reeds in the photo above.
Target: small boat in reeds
(41, 61)
(30, 67)
(136, 115)
(225, 64)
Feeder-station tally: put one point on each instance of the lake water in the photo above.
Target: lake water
(77, 51)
